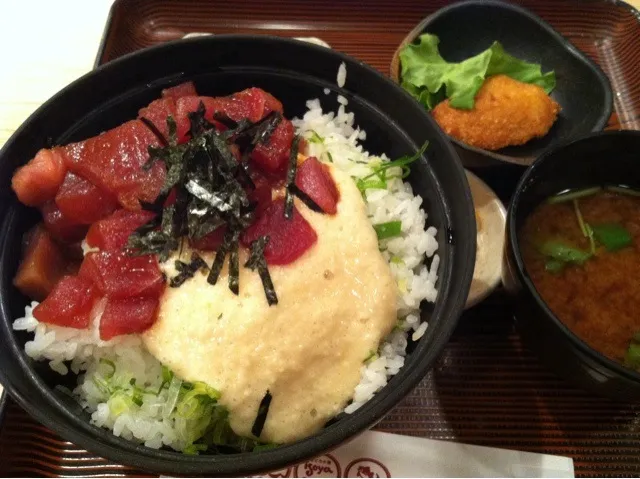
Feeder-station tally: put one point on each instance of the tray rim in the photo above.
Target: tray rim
(117, 4)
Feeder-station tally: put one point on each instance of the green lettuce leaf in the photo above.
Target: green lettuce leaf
(429, 78)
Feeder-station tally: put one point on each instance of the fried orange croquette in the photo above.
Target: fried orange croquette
(506, 112)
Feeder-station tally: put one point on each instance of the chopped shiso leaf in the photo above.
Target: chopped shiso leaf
(573, 195)
(612, 236)
(562, 252)
(261, 417)
(430, 78)
(387, 230)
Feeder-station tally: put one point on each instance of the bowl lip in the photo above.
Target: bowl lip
(600, 75)
(521, 271)
(502, 214)
(79, 430)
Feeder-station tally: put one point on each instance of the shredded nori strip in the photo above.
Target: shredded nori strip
(257, 261)
(305, 198)
(154, 129)
(291, 177)
(234, 265)
(261, 417)
(198, 123)
(210, 187)
(221, 254)
(188, 270)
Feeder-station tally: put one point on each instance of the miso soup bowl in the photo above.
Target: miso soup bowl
(608, 157)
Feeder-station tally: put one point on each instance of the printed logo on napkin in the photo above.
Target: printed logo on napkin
(379, 454)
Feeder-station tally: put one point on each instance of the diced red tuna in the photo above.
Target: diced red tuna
(69, 304)
(61, 226)
(83, 202)
(262, 194)
(252, 103)
(315, 179)
(118, 275)
(127, 316)
(190, 104)
(288, 239)
(112, 233)
(42, 266)
(211, 241)
(113, 161)
(159, 110)
(157, 113)
(38, 181)
(178, 91)
(273, 156)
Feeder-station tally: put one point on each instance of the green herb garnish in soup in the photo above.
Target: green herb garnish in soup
(580, 247)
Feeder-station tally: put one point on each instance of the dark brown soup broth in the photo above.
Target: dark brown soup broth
(599, 300)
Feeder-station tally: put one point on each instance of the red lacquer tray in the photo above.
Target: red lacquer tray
(486, 389)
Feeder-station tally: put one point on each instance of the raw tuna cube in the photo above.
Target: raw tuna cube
(118, 275)
(127, 316)
(61, 226)
(210, 242)
(42, 266)
(189, 104)
(183, 89)
(273, 156)
(112, 233)
(288, 239)
(38, 181)
(113, 161)
(314, 179)
(83, 202)
(157, 113)
(69, 304)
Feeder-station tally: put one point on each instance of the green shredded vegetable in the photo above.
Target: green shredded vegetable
(111, 365)
(200, 421)
(315, 138)
(388, 230)
(372, 356)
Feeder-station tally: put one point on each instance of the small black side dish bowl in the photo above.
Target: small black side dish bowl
(602, 158)
(583, 90)
(294, 72)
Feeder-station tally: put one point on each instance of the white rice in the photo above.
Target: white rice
(340, 144)
(331, 137)
(342, 75)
